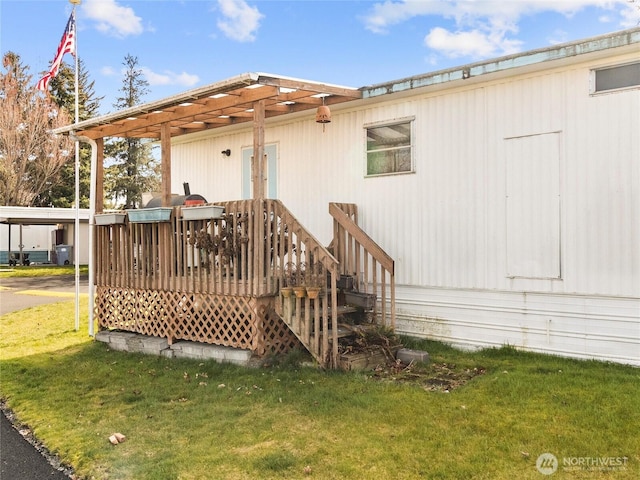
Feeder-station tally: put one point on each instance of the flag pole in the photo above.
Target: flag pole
(76, 241)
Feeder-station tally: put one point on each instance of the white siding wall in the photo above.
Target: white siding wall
(446, 224)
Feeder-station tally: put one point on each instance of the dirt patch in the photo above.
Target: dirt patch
(434, 377)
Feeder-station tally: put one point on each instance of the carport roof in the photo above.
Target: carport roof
(41, 215)
(216, 105)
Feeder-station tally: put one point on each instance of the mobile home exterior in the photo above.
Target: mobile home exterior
(507, 191)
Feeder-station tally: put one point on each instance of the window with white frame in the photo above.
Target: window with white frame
(616, 78)
(389, 147)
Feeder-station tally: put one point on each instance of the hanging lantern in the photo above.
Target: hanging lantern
(323, 115)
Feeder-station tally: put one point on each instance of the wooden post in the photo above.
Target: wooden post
(99, 175)
(257, 162)
(165, 158)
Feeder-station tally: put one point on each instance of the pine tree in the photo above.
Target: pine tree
(62, 91)
(31, 158)
(134, 170)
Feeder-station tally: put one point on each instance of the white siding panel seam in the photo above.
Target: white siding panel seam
(520, 328)
(520, 311)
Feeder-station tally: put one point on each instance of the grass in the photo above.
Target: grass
(41, 270)
(201, 420)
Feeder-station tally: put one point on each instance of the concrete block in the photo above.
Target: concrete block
(407, 355)
(186, 349)
(154, 345)
(103, 336)
(167, 353)
(134, 344)
(115, 340)
(237, 356)
(213, 352)
(191, 349)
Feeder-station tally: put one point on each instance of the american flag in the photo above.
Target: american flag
(67, 45)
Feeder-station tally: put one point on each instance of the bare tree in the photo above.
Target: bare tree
(30, 156)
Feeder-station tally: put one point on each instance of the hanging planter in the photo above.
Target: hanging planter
(150, 215)
(109, 218)
(314, 292)
(300, 291)
(202, 212)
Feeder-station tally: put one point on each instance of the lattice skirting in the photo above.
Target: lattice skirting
(233, 321)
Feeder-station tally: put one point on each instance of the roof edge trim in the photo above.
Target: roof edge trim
(531, 57)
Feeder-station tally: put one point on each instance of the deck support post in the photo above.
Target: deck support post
(257, 162)
(165, 158)
(99, 175)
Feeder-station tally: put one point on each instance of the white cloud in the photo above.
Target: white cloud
(169, 78)
(558, 36)
(630, 15)
(112, 18)
(483, 28)
(107, 71)
(240, 21)
(473, 43)
(384, 15)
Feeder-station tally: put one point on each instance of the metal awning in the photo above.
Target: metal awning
(41, 215)
(220, 104)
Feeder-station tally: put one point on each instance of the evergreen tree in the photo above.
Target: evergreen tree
(62, 91)
(31, 158)
(133, 170)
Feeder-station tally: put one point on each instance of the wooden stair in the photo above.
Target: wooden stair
(304, 316)
(359, 288)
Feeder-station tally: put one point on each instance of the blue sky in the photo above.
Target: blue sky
(183, 44)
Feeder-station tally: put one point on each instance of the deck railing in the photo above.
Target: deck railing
(362, 259)
(189, 271)
(252, 250)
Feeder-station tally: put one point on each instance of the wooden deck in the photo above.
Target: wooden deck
(219, 280)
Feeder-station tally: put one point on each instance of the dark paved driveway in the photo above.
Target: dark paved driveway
(15, 292)
(19, 459)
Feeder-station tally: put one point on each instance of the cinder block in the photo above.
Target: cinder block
(167, 353)
(115, 340)
(187, 350)
(192, 349)
(214, 352)
(407, 355)
(103, 336)
(118, 337)
(134, 344)
(237, 355)
(154, 345)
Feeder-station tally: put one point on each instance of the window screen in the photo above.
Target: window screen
(389, 148)
(614, 78)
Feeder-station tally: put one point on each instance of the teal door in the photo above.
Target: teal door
(271, 182)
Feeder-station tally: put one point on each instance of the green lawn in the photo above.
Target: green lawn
(40, 270)
(202, 420)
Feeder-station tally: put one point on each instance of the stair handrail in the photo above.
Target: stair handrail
(362, 237)
(347, 221)
(327, 352)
